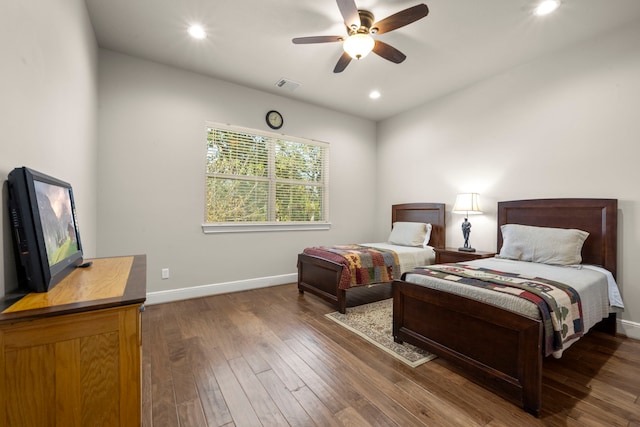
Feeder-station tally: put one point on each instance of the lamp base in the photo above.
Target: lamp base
(463, 249)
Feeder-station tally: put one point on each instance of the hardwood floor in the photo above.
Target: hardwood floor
(270, 357)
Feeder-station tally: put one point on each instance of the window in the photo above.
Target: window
(264, 181)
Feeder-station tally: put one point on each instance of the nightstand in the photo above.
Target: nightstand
(446, 255)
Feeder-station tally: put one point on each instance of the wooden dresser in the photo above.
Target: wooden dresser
(72, 356)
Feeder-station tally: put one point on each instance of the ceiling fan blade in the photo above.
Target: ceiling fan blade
(317, 39)
(400, 19)
(349, 12)
(344, 60)
(388, 52)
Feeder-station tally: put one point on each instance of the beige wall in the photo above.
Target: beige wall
(563, 126)
(152, 141)
(48, 99)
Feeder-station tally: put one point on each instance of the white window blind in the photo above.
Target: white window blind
(256, 177)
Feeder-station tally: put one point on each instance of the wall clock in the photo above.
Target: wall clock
(274, 119)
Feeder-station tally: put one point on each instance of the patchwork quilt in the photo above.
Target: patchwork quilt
(363, 265)
(559, 304)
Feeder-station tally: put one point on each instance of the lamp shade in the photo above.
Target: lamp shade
(358, 45)
(467, 203)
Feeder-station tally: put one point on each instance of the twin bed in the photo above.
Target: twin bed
(322, 275)
(497, 346)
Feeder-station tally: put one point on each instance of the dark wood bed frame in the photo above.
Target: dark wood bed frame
(500, 349)
(321, 277)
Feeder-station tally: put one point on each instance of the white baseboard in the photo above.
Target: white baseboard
(629, 328)
(161, 297)
(625, 327)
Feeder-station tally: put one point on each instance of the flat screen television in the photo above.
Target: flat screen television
(44, 227)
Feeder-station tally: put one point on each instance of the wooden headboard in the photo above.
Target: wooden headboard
(430, 213)
(598, 217)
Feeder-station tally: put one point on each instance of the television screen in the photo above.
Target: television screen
(45, 228)
(58, 224)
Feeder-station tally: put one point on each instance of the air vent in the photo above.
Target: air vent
(290, 85)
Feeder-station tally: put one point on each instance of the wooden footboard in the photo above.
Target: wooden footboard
(321, 277)
(499, 348)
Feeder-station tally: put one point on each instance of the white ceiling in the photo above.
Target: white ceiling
(249, 43)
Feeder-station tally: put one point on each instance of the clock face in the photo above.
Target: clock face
(274, 119)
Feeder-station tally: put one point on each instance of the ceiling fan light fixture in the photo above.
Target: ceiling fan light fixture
(358, 45)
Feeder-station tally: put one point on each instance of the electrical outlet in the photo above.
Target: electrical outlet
(165, 273)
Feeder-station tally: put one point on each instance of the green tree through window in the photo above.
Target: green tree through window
(260, 177)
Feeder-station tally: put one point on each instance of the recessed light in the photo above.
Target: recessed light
(197, 32)
(545, 7)
(374, 94)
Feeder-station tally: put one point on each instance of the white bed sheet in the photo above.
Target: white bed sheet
(409, 257)
(592, 286)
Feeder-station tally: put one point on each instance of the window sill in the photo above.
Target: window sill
(248, 228)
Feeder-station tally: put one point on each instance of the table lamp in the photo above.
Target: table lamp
(467, 204)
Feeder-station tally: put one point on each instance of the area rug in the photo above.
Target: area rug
(374, 323)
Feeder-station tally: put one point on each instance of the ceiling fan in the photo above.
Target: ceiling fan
(360, 26)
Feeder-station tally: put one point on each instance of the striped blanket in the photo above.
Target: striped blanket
(362, 265)
(559, 304)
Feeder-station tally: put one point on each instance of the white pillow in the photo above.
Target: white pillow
(410, 234)
(558, 246)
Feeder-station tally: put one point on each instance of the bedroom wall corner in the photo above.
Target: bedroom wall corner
(562, 126)
(152, 145)
(48, 82)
